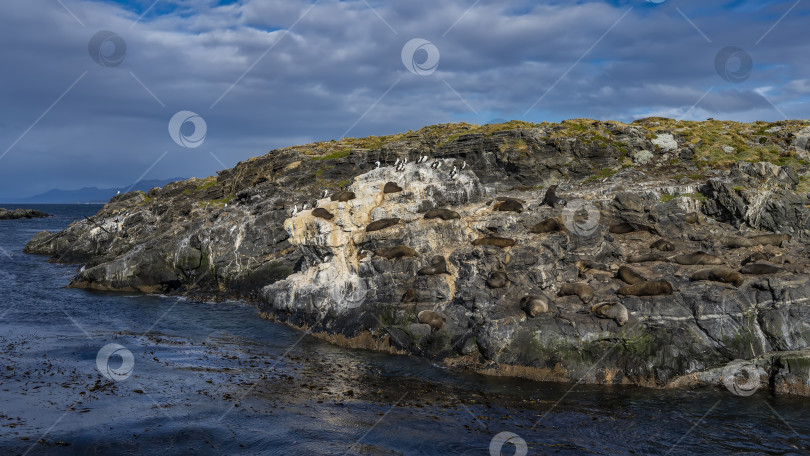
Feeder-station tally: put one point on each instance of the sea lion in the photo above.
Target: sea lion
(662, 245)
(720, 274)
(583, 290)
(702, 258)
(429, 317)
(650, 288)
(494, 240)
(627, 227)
(771, 239)
(534, 305)
(584, 265)
(399, 251)
(322, 213)
(691, 218)
(391, 187)
(551, 197)
(736, 242)
(497, 279)
(551, 225)
(343, 196)
(760, 269)
(438, 265)
(629, 275)
(645, 258)
(509, 205)
(754, 257)
(444, 214)
(381, 224)
(409, 296)
(614, 310)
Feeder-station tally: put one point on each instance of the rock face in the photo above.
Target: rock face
(15, 214)
(245, 234)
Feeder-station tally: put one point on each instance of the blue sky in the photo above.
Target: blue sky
(264, 74)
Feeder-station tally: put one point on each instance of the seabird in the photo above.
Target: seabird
(378, 165)
(424, 158)
(464, 165)
(438, 164)
(325, 193)
(306, 206)
(295, 209)
(434, 164)
(396, 163)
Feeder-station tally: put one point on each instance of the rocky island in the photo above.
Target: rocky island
(659, 253)
(16, 214)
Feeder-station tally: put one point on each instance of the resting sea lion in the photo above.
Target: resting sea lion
(509, 205)
(431, 318)
(583, 290)
(662, 245)
(646, 258)
(381, 224)
(771, 239)
(397, 252)
(691, 218)
(444, 214)
(651, 288)
(551, 225)
(720, 274)
(494, 240)
(409, 296)
(322, 213)
(760, 268)
(754, 257)
(629, 275)
(551, 197)
(391, 187)
(438, 265)
(627, 227)
(497, 279)
(614, 310)
(736, 242)
(698, 258)
(343, 196)
(534, 305)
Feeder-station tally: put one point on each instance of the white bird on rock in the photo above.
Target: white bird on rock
(378, 165)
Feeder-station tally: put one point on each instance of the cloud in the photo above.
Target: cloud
(266, 74)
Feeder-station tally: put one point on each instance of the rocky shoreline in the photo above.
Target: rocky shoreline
(16, 214)
(468, 258)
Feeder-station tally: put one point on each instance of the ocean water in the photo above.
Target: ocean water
(119, 373)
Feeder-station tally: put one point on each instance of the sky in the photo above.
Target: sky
(104, 93)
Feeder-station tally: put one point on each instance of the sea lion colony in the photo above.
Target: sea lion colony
(697, 264)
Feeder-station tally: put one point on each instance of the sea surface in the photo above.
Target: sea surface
(187, 377)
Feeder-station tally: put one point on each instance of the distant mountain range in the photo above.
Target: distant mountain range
(89, 195)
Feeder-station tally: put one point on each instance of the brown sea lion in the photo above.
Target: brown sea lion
(495, 241)
(534, 305)
(754, 257)
(399, 251)
(736, 242)
(429, 317)
(650, 288)
(552, 199)
(771, 239)
(583, 290)
(629, 275)
(701, 258)
(322, 213)
(438, 265)
(627, 227)
(497, 279)
(760, 269)
(691, 218)
(381, 224)
(343, 196)
(409, 296)
(647, 257)
(551, 225)
(662, 245)
(615, 310)
(719, 274)
(444, 214)
(509, 205)
(391, 187)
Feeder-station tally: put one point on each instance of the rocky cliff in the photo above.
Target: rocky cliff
(472, 258)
